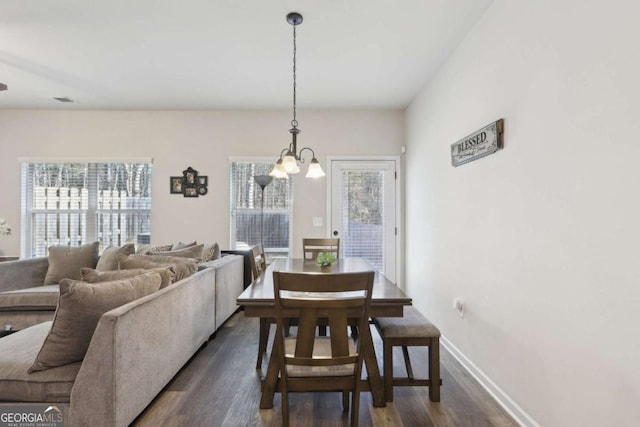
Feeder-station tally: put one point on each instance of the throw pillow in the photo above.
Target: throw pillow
(181, 245)
(65, 262)
(184, 267)
(211, 252)
(109, 258)
(147, 249)
(188, 252)
(80, 307)
(93, 276)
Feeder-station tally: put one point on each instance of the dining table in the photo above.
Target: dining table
(387, 300)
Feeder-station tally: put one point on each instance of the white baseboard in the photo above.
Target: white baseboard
(518, 414)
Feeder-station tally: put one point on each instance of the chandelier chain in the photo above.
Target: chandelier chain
(294, 122)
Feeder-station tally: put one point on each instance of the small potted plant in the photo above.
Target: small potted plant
(325, 259)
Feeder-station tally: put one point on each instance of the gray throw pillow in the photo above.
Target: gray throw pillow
(181, 245)
(148, 249)
(194, 252)
(210, 252)
(109, 258)
(65, 262)
(80, 307)
(184, 267)
(89, 275)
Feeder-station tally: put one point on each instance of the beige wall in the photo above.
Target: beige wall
(204, 140)
(540, 239)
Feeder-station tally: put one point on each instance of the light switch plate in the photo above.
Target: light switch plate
(317, 221)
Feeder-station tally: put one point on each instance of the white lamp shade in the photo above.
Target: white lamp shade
(278, 170)
(295, 170)
(290, 163)
(315, 170)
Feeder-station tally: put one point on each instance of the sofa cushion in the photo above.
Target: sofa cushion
(109, 258)
(17, 352)
(188, 252)
(79, 308)
(89, 275)
(65, 262)
(36, 298)
(184, 267)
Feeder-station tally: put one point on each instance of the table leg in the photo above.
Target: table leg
(271, 380)
(375, 382)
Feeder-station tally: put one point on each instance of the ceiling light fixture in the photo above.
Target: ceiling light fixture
(290, 164)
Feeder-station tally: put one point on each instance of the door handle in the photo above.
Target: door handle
(335, 232)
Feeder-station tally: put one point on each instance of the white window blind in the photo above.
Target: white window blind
(77, 202)
(245, 207)
(363, 216)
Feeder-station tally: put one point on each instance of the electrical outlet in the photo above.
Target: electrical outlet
(458, 305)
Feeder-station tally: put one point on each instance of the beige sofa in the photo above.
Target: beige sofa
(135, 350)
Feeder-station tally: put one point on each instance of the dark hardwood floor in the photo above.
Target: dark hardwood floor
(220, 387)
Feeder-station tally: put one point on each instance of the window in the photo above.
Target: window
(81, 202)
(246, 198)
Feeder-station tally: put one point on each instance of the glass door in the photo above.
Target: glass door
(363, 211)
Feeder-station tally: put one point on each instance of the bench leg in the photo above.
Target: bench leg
(434, 370)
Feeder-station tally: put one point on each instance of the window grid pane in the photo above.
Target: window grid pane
(246, 198)
(77, 203)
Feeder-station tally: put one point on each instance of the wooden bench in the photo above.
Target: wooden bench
(413, 329)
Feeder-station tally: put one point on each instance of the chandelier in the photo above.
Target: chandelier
(290, 163)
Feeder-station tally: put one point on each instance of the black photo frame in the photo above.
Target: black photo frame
(176, 186)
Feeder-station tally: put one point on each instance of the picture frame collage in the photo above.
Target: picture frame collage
(190, 184)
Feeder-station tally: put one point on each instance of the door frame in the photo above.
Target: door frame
(399, 206)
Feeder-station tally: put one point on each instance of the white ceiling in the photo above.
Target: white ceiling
(224, 54)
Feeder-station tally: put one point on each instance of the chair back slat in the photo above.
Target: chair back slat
(339, 340)
(311, 248)
(306, 332)
(321, 282)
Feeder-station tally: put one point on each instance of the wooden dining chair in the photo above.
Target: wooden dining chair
(258, 267)
(312, 247)
(311, 363)
(258, 261)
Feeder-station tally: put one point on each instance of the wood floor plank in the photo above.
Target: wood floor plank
(167, 408)
(494, 412)
(385, 417)
(220, 387)
(406, 400)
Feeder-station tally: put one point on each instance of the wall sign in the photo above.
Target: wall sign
(481, 143)
(189, 184)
